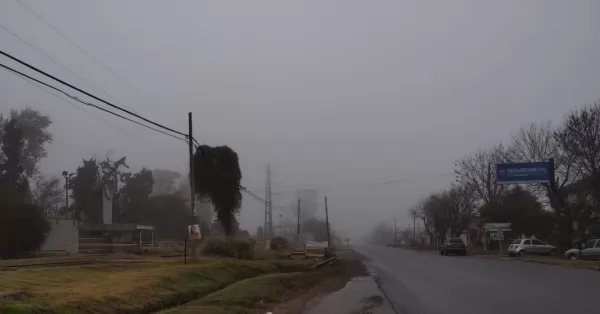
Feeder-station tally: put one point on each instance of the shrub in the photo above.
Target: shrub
(229, 247)
(280, 242)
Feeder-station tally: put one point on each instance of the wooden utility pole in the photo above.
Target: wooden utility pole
(395, 232)
(270, 203)
(298, 226)
(265, 225)
(327, 222)
(192, 185)
(414, 228)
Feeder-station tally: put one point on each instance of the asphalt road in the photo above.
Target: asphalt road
(428, 283)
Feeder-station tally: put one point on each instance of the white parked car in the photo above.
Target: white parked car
(520, 247)
(591, 250)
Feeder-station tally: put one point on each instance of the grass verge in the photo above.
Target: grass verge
(591, 265)
(124, 287)
(260, 293)
(585, 264)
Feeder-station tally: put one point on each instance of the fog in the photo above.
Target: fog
(369, 102)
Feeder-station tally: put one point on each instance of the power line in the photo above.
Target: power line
(87, 103)
(88, 94)
(65, 37)
(369, 185)
(68, 101)
(258, 198)
(55, 61)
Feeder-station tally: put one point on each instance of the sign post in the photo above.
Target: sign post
(193, 234)
(522, 173)
(496, 230)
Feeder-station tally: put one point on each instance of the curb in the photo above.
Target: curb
(534, 261)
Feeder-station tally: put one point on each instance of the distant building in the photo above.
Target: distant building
(63, 236)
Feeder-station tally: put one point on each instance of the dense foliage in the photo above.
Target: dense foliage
(23, 226)
(217, 177)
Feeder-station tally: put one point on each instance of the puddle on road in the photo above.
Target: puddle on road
(361, 295)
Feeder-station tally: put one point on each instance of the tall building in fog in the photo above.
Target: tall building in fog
(308, 203)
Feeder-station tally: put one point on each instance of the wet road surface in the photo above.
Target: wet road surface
(361, 295)
(428, 283)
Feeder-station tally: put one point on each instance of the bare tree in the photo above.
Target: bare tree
(477, 173)
(460, 208)
(426, 216)
(537, 142)
(49, 195)
(579, 137)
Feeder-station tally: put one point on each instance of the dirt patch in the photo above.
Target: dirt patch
(17, 296)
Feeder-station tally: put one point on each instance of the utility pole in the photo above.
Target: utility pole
(298, 225)
(414, 228)
(268, 206)
(66, 175)
(265, 225)
(489, 180)
(395, 232)
(270, 202)
(327, 222)
(488, 186)
(192, 185)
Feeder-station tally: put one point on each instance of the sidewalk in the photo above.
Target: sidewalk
(361, 295)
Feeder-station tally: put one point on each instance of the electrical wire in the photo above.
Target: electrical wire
(369, 185)
(56, 61)
(258, 198)
(68, 101)
(87, 103)
(264, 202)
(65, 37)
(88, 94)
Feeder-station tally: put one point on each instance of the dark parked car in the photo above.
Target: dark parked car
(453, 246)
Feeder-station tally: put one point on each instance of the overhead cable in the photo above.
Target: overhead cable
(260, 199)
(65, 37)
(88, 94)
(55, 61)
(68, 102)
(87, 103)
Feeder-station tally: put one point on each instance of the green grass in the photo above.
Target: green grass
(258, 293)
(124, 288)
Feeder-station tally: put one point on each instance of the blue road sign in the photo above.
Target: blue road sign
(528, 172)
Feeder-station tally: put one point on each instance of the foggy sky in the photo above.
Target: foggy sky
(334, 94)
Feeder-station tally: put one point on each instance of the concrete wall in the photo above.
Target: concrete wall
(62, 231)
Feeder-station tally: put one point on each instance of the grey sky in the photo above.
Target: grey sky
(335, 94)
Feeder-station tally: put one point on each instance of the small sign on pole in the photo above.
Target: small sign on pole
(194, 232)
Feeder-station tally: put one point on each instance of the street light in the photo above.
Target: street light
(67, 175)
